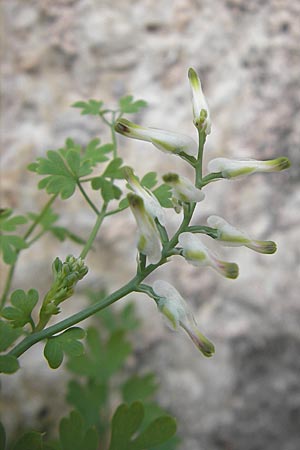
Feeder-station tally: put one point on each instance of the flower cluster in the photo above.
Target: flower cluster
(153, 241)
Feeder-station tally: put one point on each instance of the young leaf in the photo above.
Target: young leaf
(10, 246)
(8, 223)
(163, 194)
(125, 422)
(29, 441)
(92, 107)
(20, 313)
(129, 106)
(139, 388)
(149, 180)
(95, 153)
(63, 168)
(62, 233)
(66, 342)
(88, 399)
(102, 358)
(73, 435)
(8, 335)
(159, 431)
(113, 170)
(8, 364)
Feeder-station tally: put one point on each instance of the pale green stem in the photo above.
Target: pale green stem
(94, 232)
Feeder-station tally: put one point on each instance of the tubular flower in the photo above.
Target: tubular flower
(151, 203)
(167, 141)
(232, 237)
(234, 168)
(197, 254)
(183, 191)
(149, 240)
(174, 307)
(200, 108)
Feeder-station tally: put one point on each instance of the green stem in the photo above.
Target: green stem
(26, 236)
(89, 243)
(29, 341)
(214, 176)
(212, 232)
(89, 201)
(199, 163)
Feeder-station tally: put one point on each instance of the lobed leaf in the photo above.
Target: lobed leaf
(31, 440)
(66, 342)
(92, 107)
(129, 106)
(73, 435)
(20, 313)
(164, 194)
(8, 335)
(8, 364)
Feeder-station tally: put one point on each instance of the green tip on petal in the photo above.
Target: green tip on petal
(135, 201)
(264, 247)
(283, 163)
(229, 270)
(171, 178)
(122, 126)
(193, 77)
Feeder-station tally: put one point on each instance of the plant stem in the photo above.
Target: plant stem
(29, 341)
(89, 243)
(26, 236)
(199, 163)
(89, 201)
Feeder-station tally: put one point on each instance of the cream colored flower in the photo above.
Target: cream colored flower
(234, 168)
(149, 243)
(167, 141)
(174, 307)
(200, 107)
(232, 237)
(197, 254)
(183, 191)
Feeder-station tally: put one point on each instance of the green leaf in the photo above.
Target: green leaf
(159, 431)
(73, 435)
(139, 388)
(163, 194)
(8, 335)
(102, 358)
(20, 313)
(95, 153)
(62, 233)
(125, 423)
(88, 400)
(47, 219)
(9, 247)
(2, 436)
(29, 441)
(63, 167)
(149, 180)
(113, 170)
(129, 106)
(92, 107)
(66, 342)
(8, 364)
(124, 203)
(8, 223)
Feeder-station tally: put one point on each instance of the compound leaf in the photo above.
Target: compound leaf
(66, 342)
(73, 436)
(129, 106)
(20, 313)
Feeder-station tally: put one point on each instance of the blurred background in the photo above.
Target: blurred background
(55, 52)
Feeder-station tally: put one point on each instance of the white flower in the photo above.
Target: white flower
(232, 237)
(173, 306)
(233, 168)
(151, 203)
(197, 254)
(149, 240)
(183, 191)
(200, 108)
(167, 141)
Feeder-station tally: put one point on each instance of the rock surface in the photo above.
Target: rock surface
(58, 51)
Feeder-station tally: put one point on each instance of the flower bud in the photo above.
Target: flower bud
(197, 254)
(183, 191)
(232, 237)
(151, 203)
(173, 306)
(234, 168)
(167, 141)
(200, 108)
(149, 240)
